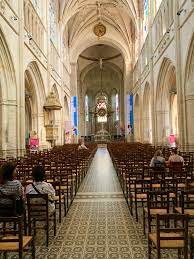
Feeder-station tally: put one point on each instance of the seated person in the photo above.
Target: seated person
(158, 159)
(82, 146)
(10, 186)
(174, 157)
(39, 186)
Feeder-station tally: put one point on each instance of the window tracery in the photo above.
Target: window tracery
(53, 20)
(86, 108)
(146, 18)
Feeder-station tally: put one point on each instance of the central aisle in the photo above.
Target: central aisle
(98, 224)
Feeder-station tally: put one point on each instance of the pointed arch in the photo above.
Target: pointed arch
(165, 102)
(189, 94)
(7, 71)
(8, 97)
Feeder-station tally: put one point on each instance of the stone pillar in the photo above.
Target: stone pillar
(190, 119)
(163, 126)
(21, 86)
(179, 82)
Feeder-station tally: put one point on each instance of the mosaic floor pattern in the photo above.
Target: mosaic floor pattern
(98, 225)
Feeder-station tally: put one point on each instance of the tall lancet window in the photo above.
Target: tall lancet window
(53, 20)
(86, 109)
(146, 18)
(117, 107)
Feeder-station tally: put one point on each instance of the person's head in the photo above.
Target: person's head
(174, 151)
(158, 153)
(8, 172)
(38, 173)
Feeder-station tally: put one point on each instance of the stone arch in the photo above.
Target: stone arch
(189, 93)
(147, 114)
(137, 118)
(166, 101)
(34, 100)
(7, 98)
(86, 43)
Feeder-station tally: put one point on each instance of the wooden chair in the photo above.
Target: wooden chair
(157, 203)
(59, 199)
(38, 211)
(186, 202)
(7, 205)
(141, 188)
(176, 166)
(12, 238)
(173, 235)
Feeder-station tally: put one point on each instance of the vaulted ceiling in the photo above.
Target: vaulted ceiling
(121, 18)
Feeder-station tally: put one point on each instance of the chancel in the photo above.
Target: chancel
(97, 129)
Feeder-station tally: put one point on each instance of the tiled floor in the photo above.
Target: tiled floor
(98, 224)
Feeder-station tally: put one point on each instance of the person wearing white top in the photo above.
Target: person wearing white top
(174, 157)
(39, 186)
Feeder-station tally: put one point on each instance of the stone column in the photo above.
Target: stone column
(21, 86)
(163, 126)
(179, 82)
(190, 119)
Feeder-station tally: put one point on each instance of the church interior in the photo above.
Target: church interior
(96, 129)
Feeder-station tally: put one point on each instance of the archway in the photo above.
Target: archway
(166, 103)
(189, 94)
(34, 101)
(147, 115)
(101, 74)
(9, 140)
(137, 118)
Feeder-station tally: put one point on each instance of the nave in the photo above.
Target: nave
(98, 224)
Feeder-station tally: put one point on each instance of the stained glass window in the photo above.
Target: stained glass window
(117, 106)
(53, 20)
(86, 109)
(146, 16)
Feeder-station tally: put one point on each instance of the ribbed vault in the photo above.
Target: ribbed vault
(121, 18)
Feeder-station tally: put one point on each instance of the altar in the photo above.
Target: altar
(102, 136)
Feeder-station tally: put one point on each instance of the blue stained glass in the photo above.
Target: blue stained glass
(74, 114)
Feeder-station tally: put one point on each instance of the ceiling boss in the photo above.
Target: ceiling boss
(99, 29)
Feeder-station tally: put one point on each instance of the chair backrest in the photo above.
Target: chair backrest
(176, 166)
(7, 205)
(158, 200)
(142, 186)
(38, 205)
(176, 224)
(187, 200)
(12, 226)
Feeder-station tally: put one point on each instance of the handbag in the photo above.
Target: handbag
(51, 201)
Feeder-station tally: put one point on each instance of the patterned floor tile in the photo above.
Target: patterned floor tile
(98, 224)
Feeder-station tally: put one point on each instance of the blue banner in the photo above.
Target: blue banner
(130, 114)
(131, 110)
(74, 114)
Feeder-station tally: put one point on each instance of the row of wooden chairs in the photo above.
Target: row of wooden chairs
(164, 197)
(65, 175)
